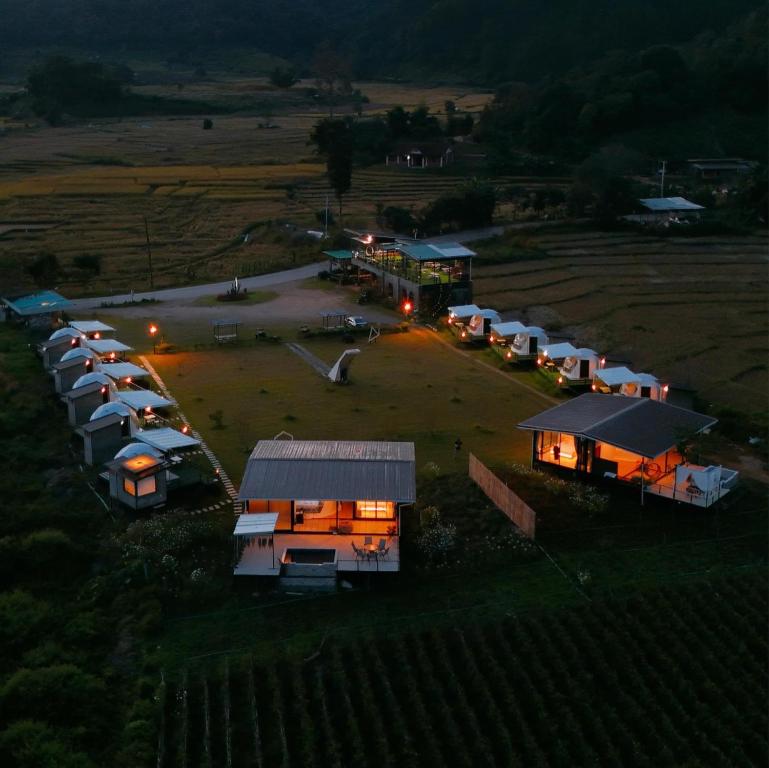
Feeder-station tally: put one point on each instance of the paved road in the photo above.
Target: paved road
(196, 291)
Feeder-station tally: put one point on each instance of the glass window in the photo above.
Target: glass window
(375, 510)
(141, 487)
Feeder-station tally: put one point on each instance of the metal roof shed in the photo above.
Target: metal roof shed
(91, 326)
(330, 469)
(42, 303)
(665, 204)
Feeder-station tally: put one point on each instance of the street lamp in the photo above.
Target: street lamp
(153, 332)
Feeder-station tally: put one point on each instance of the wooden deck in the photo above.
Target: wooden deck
(266, 560)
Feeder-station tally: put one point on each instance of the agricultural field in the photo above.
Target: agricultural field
(691, 310)
(675, 676)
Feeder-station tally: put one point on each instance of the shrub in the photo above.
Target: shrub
(208, 124)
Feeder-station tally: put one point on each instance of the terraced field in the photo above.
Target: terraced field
(673, 677)
(693, 311)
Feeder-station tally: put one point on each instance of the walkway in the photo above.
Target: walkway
(308, 357)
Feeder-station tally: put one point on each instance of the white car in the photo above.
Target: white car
(356, 321)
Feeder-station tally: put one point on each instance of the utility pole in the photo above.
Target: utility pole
(325, 226)
(662, 178)
(149, 252)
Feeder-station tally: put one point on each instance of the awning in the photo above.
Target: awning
(105, 346)
(503, 330)
(166, 439)
(613, 376)
(42, 303)
(123, 370)
(257, 524)
(91, 326)
(139, 399)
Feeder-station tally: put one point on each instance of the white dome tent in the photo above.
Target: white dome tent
(121, 409)
(93, 378)
(79, 352)
(64, 333)
(138, 449)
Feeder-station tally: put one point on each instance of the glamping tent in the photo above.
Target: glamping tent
(500, 337)
(477, 328)
(92, 329)
(462, 313)
(138, 482)
(577, 369)
(58, 344)
(623, 381)
(629, 440)
(83, 400)
(526, 344)
(129, 419)
(67, 372)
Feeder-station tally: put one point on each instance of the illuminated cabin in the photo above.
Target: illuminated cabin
(139, 481)
(477, 328)
(502, 336)
(42, 310)
(569, 366)
(623, 381)
(429, 276)
(108, 350)
(462, 313)
(630, 440)
(316, 508)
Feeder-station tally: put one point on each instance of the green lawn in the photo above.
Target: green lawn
(403, 387)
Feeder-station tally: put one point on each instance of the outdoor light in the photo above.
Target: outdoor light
(97, 335)
(594, 388)
(602, 361)
(87, 362)
(539, 361)
(491, 339)
(185, 429)
(73, 342)
(128, 379)
(509, 354)
(407, 307)
(464, 334)
(104, 390)
(148, 409)
(560, 379)
(111, 355)
(153, 329)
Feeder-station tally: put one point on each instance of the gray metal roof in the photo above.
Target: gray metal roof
(96, 424)
(330, 469)
(91, 326)
(143, 398)
(670, 204)
(637, 424)
(165, 438)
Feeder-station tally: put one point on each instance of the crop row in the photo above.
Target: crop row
(676, 676)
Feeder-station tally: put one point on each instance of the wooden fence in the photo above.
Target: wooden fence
(503, 497)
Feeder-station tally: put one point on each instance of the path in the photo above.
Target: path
(308, 357)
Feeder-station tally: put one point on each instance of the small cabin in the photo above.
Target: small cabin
(323, 506)
(92, 329)
(58, 344)
(623, 381)
(83, 400)
(526, 344)
(102, 438)
(501, 336)
(625, 440)
(568, 365)
(477, 328)
(462, 313)
(139, 481)
(67, 372)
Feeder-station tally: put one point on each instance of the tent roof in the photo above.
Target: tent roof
(642, 426)
(560, 351)
(464, 310)
(73, 354)
(91, 326)
(330, 469)
(41, 303)
(166, 439)
(618, 375)
(137, 449)
(115, 406)
(661, 204)
(256, 523)
(507, 329)
(143, 398)
(95, 377)
(105, 346)
(84, 389)
(123, 370)
(65, 333)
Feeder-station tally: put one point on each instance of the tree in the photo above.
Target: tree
(335, 141)
(398, 219)
(283, 77)
(44, 269)
(88, 262)
(332, 75)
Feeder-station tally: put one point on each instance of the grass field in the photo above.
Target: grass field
(404, 387)
(690, 310)
(673, 677)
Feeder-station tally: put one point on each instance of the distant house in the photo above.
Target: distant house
(666, 210)
(629, 440)
(313, 509)
(423, 154)
(42, 309)
(720, 168)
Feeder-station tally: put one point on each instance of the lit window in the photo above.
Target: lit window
(375, 510)
(142, 487)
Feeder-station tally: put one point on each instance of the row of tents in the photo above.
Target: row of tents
(567, 365)
(125, 426)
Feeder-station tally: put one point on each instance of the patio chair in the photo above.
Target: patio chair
(382, 545)
(358, 552)
(367, 541)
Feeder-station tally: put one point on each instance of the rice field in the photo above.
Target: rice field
(693, 311)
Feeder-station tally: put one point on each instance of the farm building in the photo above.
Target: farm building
(315, 508)
(41, 309)
(569, 366)
(477, 328)
(92, 329)
(666, 210)
(623, 381)
(630, 440)
(720, 168)
(427, 276)
(425, 154)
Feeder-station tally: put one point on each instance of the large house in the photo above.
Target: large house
(316, 508)
(631, 440)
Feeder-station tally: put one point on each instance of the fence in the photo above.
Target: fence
(503, 497)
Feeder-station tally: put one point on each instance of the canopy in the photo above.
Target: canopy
(42, 303)
(434, 251)
(560, 351)
(464, 310)
(613, 376)
(73, 354)
(123, 370)
(139, 399)
(166, 439)
(256, 524)
(91, 326)
(105, 346)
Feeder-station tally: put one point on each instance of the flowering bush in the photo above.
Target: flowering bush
(436, 539)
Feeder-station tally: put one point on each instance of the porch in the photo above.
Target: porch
(267, 555)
